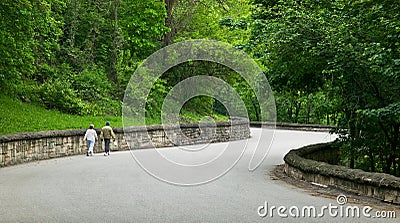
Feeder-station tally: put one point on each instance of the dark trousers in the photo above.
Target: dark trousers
(107, 145)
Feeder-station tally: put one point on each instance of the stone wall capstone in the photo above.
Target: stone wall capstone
(311, 163)
(27, 147)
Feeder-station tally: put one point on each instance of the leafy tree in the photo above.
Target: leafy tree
(142, 24)
(190, 19)
(17, 40)
(366, 74)
(348, 50)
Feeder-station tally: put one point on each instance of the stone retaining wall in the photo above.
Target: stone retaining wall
(27, 147)
(309, 164)
(293, 126)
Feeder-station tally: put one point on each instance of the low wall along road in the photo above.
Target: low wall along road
(315, 163)
(27, 147)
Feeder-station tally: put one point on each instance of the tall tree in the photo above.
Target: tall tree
(350, 51)
(16, 42)
(169, 5)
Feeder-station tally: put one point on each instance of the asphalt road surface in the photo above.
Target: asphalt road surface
(117, 189)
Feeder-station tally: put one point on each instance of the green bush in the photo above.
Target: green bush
(92, 85)
(58, 94)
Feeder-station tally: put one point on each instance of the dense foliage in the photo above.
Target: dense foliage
(76, 56)
(336, 60)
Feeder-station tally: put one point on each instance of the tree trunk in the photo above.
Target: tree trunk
(297, 112)
(74, 23)
(112, 70)
(169, 5)
(388, 164)
(327, 119)
(372, 160)
(398, 169)
(290, 113)
(394, 146)
(335, 116)
(256, 111)
(352, 162)
(352, 126)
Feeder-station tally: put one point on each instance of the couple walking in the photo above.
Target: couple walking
(91, 136)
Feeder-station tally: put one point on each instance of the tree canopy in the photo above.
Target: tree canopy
(344, 52)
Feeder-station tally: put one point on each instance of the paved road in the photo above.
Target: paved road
(116, 189)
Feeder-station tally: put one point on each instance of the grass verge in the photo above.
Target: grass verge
(16, 116)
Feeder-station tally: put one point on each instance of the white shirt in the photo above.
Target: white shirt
(90, 135)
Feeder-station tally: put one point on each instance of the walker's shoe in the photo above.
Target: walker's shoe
(105, 154)
(108, 153)
(87, 154)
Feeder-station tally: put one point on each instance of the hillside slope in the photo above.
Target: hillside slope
(16, 116)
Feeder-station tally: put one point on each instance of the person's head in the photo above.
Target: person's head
(107, 123)
(91, 126)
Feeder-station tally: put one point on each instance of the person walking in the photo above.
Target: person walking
(107, 134)
(90, 137)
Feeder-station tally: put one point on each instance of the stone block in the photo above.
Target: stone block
(300, 165)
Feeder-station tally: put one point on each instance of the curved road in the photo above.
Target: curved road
(116, 189)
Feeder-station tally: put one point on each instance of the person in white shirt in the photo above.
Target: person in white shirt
(90, 137)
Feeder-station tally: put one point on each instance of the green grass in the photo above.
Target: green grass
(16, 116)
(188, 116)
